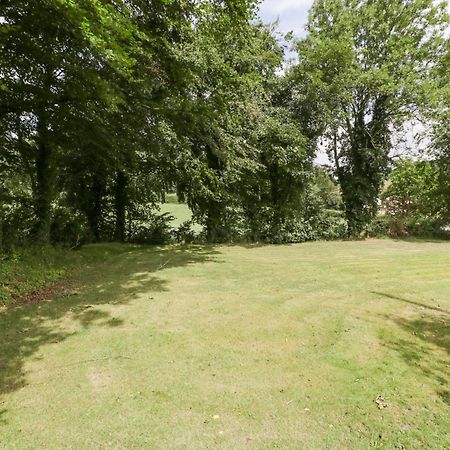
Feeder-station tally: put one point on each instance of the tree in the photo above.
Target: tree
(58, 58)
(369, 62)
(273, 189)
(440, 118)
(231, 60)
(412, 192)
(83, 83)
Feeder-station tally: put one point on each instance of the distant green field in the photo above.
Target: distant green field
(180, 212)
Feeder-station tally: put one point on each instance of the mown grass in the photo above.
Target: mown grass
(180, 212)
(236, 347)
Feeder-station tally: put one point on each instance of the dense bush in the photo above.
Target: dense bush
(185, 234)
(412, 202)
(329, 224)
(69, 227)
(427, 228)
(386, 225)
(379, 227)
(156, 230)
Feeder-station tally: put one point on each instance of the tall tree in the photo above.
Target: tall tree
(370, 61)
(229, 56)
(56, 58)
(441, 128)
(82, 83)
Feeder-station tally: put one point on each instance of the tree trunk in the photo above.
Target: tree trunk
(276, 201)
(121, 200)
(96, 207)
(213, 225)
(215, 231)
(44, 188)
(1, 227)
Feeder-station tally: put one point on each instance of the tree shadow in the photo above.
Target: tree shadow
(412, 302)
(426, 347)
(443, 239)
(2, 420)
(25, 328)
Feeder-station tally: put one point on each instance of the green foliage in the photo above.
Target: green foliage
(441, 130)
(325, 209)
(123, 102)
(68, 227)
(15, 211)
(156, 230)
(412, 190)
(185, 234)
(412, 199)
(107, 105)
(365, 67)
(244, 158)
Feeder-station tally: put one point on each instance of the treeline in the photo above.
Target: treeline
(107, 105)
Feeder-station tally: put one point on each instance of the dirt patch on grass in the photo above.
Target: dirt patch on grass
(100, 379)
(58, 288)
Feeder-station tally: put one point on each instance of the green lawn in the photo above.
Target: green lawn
(180, 211)
(236, 347)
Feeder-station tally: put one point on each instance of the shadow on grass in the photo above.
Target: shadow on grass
(411, 302)
(2, 421)
(426, 347)
(25, 328)
(444, 238)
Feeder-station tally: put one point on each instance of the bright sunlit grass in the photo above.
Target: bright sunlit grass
(319, 345)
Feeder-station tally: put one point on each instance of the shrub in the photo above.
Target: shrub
(156, 230)
(184, 233)
(68, 227)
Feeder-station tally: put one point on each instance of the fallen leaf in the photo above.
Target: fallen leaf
(381, 402)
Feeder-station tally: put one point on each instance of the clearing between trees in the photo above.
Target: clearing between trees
(318, 345)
